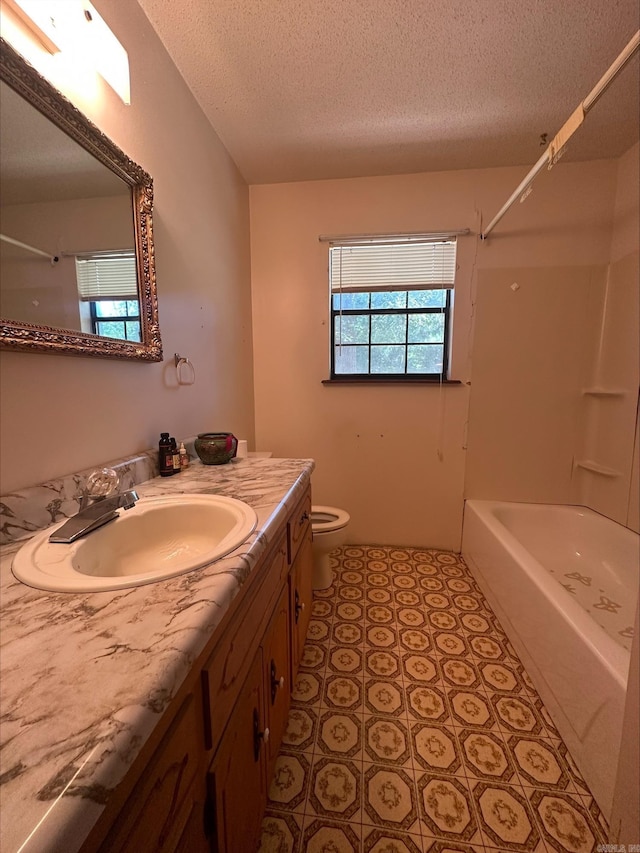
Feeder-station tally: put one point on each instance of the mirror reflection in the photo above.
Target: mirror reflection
(67, 254)
(76, 251)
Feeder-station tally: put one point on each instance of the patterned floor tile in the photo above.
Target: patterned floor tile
(343, 693)
(378, 840)
(459, 672)
(450, 644)
(322, 609)
(415, 639)
(389, 798)
(446, 808)
(538, 764)
(384, 698)
(387, 741)
(290, 782)
(349, 611)
(427, 702)
(411, 617)
(340, 734)
(517, 714)
(314, 657)
(435, 748)
(499, 677)
(280, 832)
(383, 663)
(307, 688)
(381, 637)
(472, 709)
(380, 595)
(318, 630)
(435, 845)
(335, 789)
(486, 756)
(347, 633)
(476, 623)
(414, 727)
(301, 729)
(506, 818)
(406, 598)
(419, 668)
(329, 836)
(380, 614)
(444, 621)
(345, 660)
(564, 822)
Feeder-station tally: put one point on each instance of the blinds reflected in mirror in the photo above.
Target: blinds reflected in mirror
(107, 275)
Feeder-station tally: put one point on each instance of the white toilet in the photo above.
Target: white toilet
(329, 526)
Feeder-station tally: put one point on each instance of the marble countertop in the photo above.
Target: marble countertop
(84, 678)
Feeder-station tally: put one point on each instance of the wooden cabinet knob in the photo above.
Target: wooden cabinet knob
(275, 681)
(299, 606)
(259, 737)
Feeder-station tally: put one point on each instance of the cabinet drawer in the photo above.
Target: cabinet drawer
(158, 809)
(298, 525)
(227, 668)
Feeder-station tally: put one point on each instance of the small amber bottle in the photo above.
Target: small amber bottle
(175, 456)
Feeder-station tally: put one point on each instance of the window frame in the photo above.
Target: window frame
(96, 319)
(369, 377)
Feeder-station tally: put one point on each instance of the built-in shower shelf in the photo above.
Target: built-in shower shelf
(604, 392)
(596, 468)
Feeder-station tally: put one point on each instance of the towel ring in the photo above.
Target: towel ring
(185, 371)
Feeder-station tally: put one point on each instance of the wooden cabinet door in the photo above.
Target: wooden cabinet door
(301, 599)
(277, 670)
(237, 777)
(157, 811)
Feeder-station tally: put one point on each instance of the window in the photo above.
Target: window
(116, 318)
(108, 285)
(391, 308)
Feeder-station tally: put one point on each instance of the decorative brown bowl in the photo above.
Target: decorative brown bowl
(216, 448)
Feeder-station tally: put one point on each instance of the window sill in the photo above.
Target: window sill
(390, 380)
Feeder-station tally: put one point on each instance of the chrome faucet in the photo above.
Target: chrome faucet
(94, 516)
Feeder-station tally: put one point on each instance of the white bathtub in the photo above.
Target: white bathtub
(563, 581)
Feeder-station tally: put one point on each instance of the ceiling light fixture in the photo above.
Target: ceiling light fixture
(75, 28)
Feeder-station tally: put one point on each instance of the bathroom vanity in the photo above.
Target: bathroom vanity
(151, 718)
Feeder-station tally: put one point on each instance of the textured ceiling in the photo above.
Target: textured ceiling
(303, 89)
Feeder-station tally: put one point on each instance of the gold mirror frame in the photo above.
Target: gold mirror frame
(26, 337)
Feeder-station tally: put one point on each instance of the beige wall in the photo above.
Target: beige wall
(377, 448)
(60, 414)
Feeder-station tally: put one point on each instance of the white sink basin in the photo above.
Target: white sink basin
(158, 538)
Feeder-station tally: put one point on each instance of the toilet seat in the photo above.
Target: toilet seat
(324, 519)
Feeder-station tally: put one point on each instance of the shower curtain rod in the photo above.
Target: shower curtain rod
(53, 258)
(554, 151)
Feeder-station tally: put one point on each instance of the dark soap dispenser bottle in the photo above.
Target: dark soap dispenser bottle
(165, 455)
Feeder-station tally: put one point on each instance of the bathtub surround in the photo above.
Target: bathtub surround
(414, 726)
(112, 664)
(563, 582)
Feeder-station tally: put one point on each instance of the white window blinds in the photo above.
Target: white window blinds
(108, 275)
(392, 265)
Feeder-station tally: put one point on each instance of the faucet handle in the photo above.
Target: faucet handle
(99, 484)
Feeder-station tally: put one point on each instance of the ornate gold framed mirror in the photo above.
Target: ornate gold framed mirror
(77, 272)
